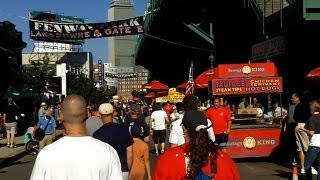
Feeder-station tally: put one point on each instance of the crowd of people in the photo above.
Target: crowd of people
(112, 141)
(102, 144)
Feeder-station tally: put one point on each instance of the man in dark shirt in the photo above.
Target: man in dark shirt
(10, 121)
(117, 136)
(301, 116)
(137, 119)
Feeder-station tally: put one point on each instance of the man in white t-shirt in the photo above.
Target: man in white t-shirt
(159, 119)
(76, 156)
(176, 138)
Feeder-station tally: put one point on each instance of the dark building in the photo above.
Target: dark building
(180, 32)
(11, 46)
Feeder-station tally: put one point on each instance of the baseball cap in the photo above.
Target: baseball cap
(192, 119)
(106, 108)
(136, 108)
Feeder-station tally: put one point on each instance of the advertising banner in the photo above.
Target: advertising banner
(253, 142)
(51, 31)
(247, 70)
(57, 18)
(246, 85)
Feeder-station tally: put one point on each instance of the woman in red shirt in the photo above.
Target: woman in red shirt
(198, 155)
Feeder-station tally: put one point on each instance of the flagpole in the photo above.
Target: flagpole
(190, 85)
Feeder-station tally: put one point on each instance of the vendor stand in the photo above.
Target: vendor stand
(252, 134)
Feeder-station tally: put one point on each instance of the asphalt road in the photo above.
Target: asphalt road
(259, 169)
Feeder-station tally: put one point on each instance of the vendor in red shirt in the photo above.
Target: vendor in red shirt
(198, 156)
(168, 108)
(221, 122)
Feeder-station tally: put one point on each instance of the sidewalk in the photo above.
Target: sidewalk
(9, 155)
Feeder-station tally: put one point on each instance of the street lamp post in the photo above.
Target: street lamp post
(211, 59)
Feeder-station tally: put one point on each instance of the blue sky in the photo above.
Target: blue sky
(16, 11)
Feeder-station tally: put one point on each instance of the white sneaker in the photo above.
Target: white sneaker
(314, 171)
(302, 171)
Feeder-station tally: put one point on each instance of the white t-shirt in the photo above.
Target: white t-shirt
(174, 116)
(278, 112)
(176, 132)
(315, 140)
(77, 158)
(159, 119)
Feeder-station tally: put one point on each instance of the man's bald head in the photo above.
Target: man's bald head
(74, 109)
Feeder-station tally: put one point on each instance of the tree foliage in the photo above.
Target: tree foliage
(138, 94)
(40, 77)
(86, 88)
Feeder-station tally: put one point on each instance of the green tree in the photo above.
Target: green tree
(111, 92)
(39, 77)
(137, 94)
(85, 87)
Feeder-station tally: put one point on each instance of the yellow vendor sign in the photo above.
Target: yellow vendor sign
(173, 96)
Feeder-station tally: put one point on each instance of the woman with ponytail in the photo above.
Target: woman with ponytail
(198, 157)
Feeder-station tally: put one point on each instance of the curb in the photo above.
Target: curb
(17, 155)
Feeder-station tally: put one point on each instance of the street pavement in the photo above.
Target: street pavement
(249, 169)
(15, 164)
(10, 155)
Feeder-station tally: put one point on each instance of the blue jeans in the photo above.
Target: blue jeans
(312, 154)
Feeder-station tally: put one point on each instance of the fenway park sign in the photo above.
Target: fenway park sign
(51, 31)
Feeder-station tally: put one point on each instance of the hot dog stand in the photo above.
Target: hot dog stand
(251, 135)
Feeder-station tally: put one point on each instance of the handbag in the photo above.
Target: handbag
(40, 133)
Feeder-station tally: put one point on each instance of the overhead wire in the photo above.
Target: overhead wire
(179, 44)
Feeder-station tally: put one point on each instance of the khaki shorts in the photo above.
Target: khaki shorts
(302, 140)
(11, 127)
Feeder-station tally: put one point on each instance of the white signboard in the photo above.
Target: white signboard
(269, 48)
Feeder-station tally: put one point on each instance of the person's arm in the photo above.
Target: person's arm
(311, 127)
(147, 162)
(229, 127)
(129, 156)
(167, 119)
(309, 132)
(146, 131)
(4, 117)
(229, 122)
(14, 103)
(151, 125)
(37, 126)
(173, 137)
(54, 133)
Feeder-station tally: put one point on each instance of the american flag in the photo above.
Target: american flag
(190, 85)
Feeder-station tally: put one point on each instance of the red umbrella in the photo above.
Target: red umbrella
(155, 85)
(205, 77)
(184, 85)
(314, 75)
(150, 95)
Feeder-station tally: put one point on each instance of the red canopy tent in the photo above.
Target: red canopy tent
(184, 85)
(155, 85)
(205, 77)
(314, 75)
(150, 95)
